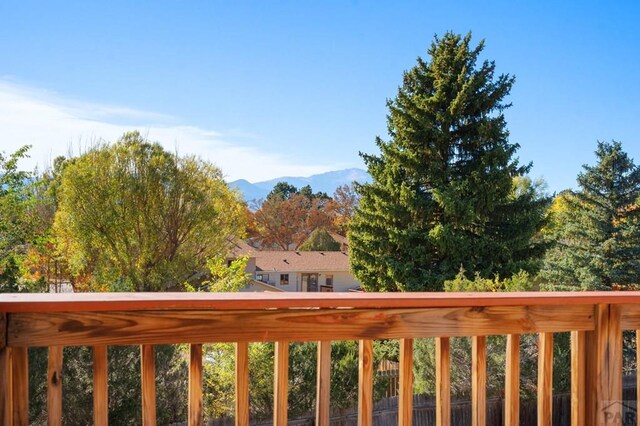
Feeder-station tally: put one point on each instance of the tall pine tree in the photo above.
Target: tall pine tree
(597, 228)
(447, 192)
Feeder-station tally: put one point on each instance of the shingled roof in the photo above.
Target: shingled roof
(302, 261)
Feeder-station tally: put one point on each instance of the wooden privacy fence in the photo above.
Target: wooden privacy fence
(595, 319)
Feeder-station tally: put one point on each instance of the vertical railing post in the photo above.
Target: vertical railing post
(545, 378)
(100, 386)
(607, 349)
(365, 383)
(638, 372)
(6, 385)
(443, 382)
(242, 384)
(405, 396)
(195, 408)
(578, 372)
(590, 379)
(54, 386)
(20, 373)
(512, 382)
(479, 380)
(323, 385)
(148, 384)
(281, 384)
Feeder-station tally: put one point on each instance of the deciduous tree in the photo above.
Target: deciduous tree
(288, 216)
(141, 218)
(343, 205)
(18, 227)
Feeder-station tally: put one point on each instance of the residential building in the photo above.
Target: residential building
(305, 271)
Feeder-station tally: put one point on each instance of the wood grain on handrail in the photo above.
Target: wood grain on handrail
(95, 302)
(167, 327)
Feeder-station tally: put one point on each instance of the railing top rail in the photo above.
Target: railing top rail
(79, 302)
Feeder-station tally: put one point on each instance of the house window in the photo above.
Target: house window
(262, 277)
(310, 282)
(328, 280)
(284, 279)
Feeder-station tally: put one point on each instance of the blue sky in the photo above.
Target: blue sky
(273, 88)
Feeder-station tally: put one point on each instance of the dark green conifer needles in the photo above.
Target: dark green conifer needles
(447, 191)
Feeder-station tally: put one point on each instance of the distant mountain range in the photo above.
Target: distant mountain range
(324, 182)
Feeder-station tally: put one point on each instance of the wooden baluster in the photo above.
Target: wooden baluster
(512, 382)
(638, 374)
(242, 384)
(578, 383)
(54, 386)
(195, 385)
(100, 386)
(608, 363)
(281, 384)
(405, 396)
(545, 378)
(443, 383)
(6, 385)
(148, 381)
(365, 383)
(590, 378)
(20, 373)
(478, 380)
(323, 388)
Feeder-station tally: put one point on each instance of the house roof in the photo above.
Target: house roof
(343, 241)
(301, 261)
(255, 285)
(240, 248)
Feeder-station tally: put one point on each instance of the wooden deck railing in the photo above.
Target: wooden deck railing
(596, 321)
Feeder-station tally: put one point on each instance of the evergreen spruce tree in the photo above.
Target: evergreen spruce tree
(597, 228)
(444, 194)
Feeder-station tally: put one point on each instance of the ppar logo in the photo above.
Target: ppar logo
(619, 413)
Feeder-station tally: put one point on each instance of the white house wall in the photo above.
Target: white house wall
(342, 281)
